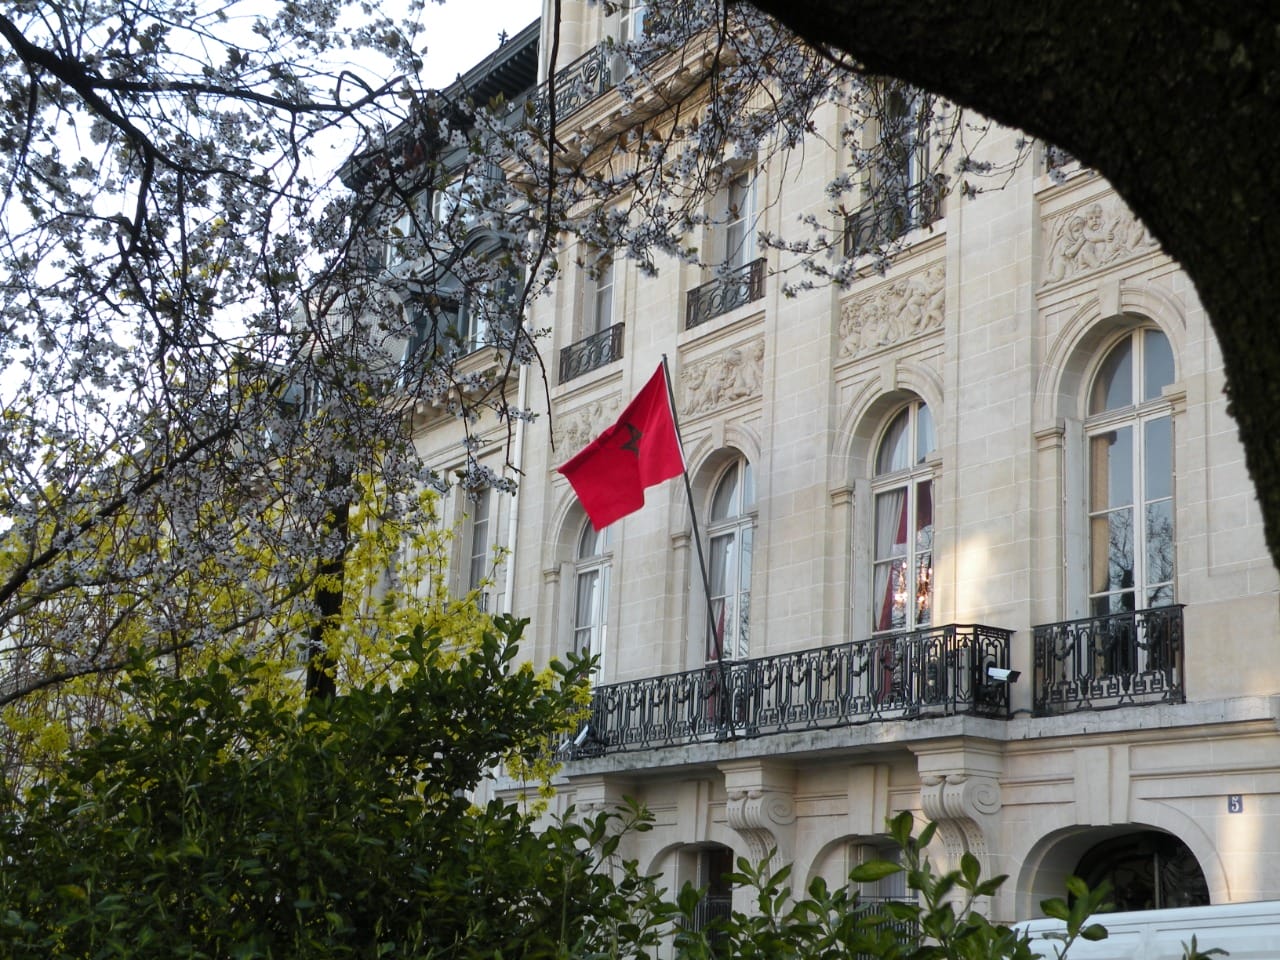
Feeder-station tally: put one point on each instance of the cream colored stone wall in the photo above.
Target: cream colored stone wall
(996, 318)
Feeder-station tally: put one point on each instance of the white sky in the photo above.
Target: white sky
(461, 33)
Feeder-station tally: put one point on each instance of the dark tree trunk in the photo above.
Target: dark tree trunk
(329, 586)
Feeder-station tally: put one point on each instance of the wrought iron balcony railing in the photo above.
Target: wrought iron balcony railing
(931, 672)
(908, 931)
(888, 217)
(710, 908)
(591, 353)
(1120, 660)
(723, 294)
(576, 85)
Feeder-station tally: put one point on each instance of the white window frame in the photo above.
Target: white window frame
(903, 182)
(739, 203)
(599, 293)
(730, 551)
(1139, 417)
(592, 570)
(899, 565)
(479, 547)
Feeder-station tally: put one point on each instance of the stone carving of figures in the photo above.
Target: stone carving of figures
(742, 372)
(731, 376)
(1092, 238)
(582, 426)
(902, 310)
(694, 378)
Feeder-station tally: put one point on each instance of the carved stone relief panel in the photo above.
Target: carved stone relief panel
(723, 379)
(575, 430)
(893, 313)
(1090, 237)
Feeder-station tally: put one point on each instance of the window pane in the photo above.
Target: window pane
(1113, 386)
(1111, 469)
(1158, 454)
(924, 554)
(924, 589)
(724, 502)
(737, 241)
(748, 488)
(602, 305)
(743, 626)
(890, 598)
(722, 561)
(926, 440)
(1159, 534)
(1157, 363)
(479, 541)
(590, 542)
(891, 524)
(893, 453)
(924, 515)
(588, 601)
(1112, 550)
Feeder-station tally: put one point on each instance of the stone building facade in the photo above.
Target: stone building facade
(1009, 451)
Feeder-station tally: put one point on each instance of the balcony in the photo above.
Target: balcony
(1099, 663)
(739, 286)
(933, 672)
(576, 85)
(888, 217)
(591, 353)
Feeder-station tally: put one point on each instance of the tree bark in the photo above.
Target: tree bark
(330, 584)
(1175, 103)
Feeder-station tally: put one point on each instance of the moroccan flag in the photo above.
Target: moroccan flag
(610, 473)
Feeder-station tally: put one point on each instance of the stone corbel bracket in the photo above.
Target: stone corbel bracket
(765, 820)
(960, 803)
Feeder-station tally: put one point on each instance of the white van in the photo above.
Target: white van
(1248, 931)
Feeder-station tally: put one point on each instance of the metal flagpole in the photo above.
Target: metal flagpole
(722, 704)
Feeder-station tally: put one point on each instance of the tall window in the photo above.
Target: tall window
(902, 585)
(738, 197)
(1130, 437)
(729, 531)
(591, 573)
(478, 547)
(903, 192)
(598, 296)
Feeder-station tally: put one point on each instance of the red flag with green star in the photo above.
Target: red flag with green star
(610, 473)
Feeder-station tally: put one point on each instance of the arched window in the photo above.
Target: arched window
(902, 582)
(591, 599)
(729, 531)
(1130, 438)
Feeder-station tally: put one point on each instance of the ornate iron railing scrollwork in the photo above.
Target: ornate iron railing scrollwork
(591, 353)
(1098, 663)
(576, 85)
(719, 296)
(889, 217)
(931, 672)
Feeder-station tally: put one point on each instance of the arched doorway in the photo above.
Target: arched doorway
(1147, 870)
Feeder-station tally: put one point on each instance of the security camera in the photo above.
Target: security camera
(1003, 674)
(581, 738)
